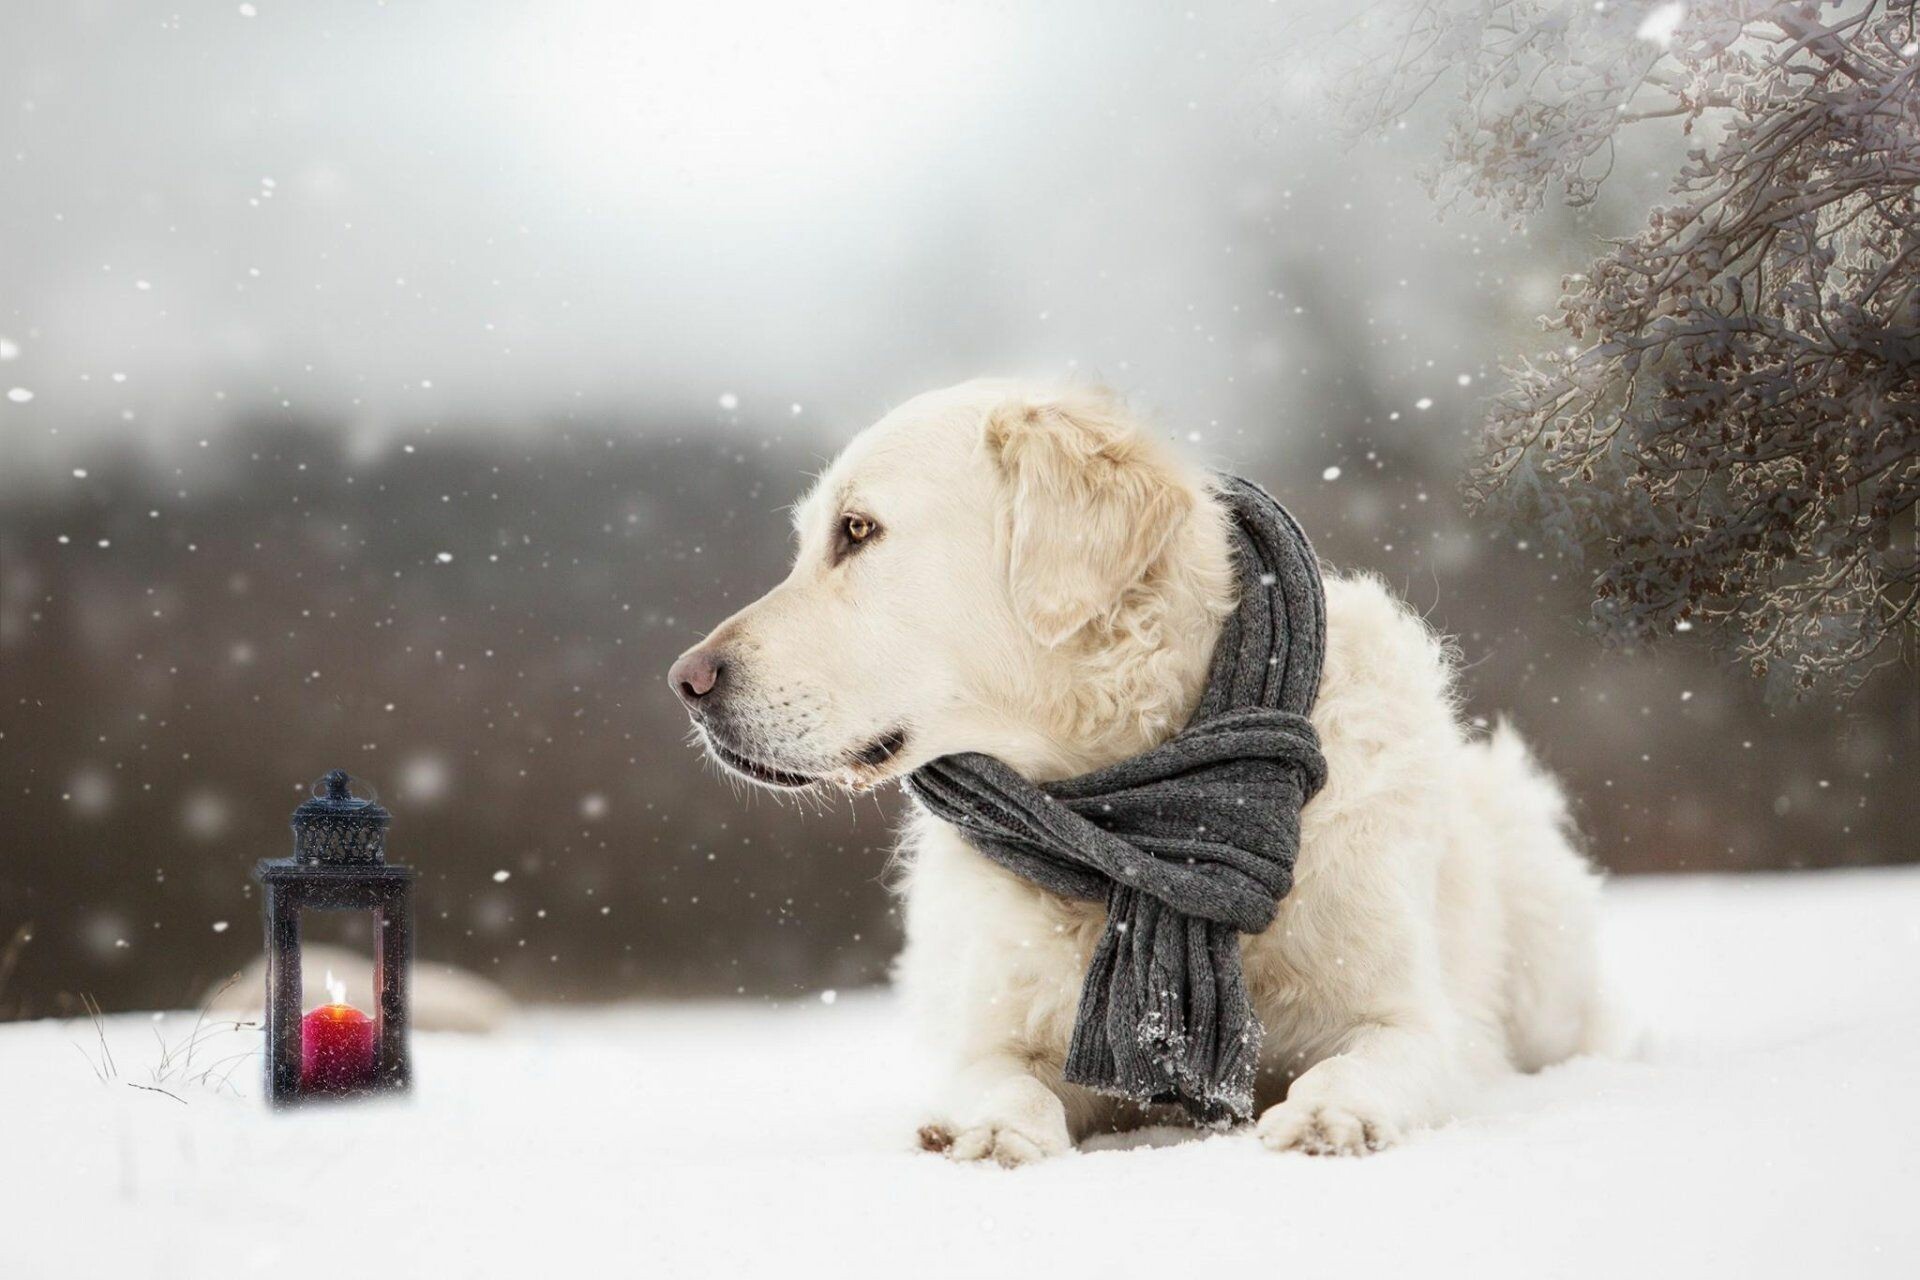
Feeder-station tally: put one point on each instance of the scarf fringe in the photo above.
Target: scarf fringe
(1153, 1033)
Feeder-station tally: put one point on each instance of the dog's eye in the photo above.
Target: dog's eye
(853, 532)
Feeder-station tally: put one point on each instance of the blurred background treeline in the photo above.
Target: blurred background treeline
(401, 387)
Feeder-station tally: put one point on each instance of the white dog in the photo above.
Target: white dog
(1034, 577)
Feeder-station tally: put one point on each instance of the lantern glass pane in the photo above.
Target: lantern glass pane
(345, 942)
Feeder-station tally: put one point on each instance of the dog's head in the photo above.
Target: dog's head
(964, 572)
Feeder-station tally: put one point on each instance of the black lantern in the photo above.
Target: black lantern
(338, 864)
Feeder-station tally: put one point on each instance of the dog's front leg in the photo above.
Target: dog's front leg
(1000, 1111)
(982, 949)
(1386, 1081)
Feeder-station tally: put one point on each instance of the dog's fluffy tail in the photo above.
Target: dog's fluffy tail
(1557, 1006)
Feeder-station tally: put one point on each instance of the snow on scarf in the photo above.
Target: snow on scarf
(1190, 843)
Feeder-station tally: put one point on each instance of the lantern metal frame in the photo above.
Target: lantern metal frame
(339, 864)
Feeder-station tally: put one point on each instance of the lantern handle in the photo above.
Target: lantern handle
(337, 787)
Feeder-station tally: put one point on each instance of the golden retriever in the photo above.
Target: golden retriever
(1031, 574)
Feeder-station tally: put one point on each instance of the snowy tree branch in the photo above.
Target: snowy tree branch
(1728, 428)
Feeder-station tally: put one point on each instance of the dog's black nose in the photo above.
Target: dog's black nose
(696, 674)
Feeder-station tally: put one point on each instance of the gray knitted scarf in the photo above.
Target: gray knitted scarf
(1190, 843)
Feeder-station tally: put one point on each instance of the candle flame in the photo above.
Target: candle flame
(336, 989)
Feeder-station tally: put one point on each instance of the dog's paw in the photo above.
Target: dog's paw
(1007, 1145)
(1018, 1122)
(1324, 1129)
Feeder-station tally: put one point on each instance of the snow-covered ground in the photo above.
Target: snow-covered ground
(1771, 1127)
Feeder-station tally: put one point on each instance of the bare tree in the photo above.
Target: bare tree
(1728, 424)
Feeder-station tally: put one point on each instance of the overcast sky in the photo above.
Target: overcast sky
(464, 210)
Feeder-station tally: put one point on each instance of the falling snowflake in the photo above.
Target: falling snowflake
(425, 778)
(1660, 24)
(90, 792)
(205, 815)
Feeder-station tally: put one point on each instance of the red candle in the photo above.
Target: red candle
(336, 1046)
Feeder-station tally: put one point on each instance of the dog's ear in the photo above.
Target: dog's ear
(1092, 503)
